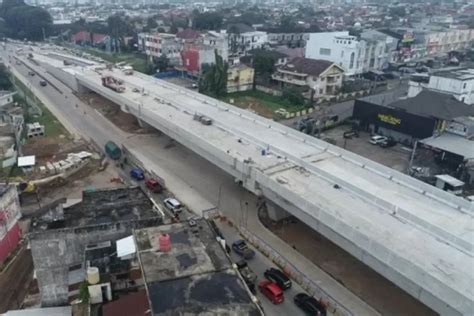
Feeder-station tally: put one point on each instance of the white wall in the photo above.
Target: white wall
(340, 52)
(463, 90)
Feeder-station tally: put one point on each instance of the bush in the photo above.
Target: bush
(293, 95)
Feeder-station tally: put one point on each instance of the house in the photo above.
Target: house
(321, 76)
(155, 45)
(202, 51)
(87, 38)
(244, 38)
(457, 82)
(10, 213)
(240, 78)
(411, 119)
(355, 55)
(188, 35)
(297, 39)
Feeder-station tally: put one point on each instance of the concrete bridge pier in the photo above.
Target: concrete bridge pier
(275, 212)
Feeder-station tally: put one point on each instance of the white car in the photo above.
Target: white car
(377, 139)
(173, 205)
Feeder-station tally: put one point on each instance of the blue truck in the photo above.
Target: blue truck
(113, 150)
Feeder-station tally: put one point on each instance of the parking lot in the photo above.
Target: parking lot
(397, 157)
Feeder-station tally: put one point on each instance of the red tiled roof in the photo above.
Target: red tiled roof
(133, 304)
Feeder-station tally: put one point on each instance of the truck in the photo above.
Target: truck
(113, 84)
(247, 274)
(113, 150)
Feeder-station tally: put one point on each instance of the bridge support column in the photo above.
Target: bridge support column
(143, 124)
(275, 212)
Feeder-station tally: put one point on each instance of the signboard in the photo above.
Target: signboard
(387, 118)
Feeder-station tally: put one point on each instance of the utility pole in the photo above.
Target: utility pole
(412, 155)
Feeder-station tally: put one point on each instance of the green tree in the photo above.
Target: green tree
(213, 81)
(118, 27)
(84, 295)
(207, 21)
(25, 21)
(162, 63)
(293, 96)
(263, 63)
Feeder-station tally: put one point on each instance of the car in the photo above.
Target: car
(278, 277)
(309, 305)
(271, 291)
(247, 274)
(240, 247)
(43, 83)
(377, 139)
(173, 205)
(31, 73)
(350, 134)
(137, 174)
(154, 185)
(390, 142)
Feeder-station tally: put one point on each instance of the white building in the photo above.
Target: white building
(354, 55)
(155, 45)
(458, 82)
(243, 38)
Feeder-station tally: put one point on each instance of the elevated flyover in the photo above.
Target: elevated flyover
(417, 236)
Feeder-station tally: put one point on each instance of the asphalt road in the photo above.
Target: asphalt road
(90, 124)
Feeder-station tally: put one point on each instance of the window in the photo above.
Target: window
(342, 54)
(325, 51)
(464, 85)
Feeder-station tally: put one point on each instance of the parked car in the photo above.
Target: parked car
(278, 277)
(154, 185)
(173, 205)
(241, 248)
(390, 142)
(309, 305)
(43, 83)
(31, 73)
(113, 150)
(377, 139)
(247, 274)
(271, 291)
(137, 174)
(350, 134)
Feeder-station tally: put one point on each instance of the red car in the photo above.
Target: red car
(154, 186)
(271, 291)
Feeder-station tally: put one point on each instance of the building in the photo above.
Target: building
(410, 119)
(155, 45)
(10, 213)
(63, 238)
(187, 272)
(243, 38)
(388, 41)
(288, 39)
(6, 98)
(202, 51)
(355, 55)
(457, 82)
(321, 76)
(240, 78)
(87, 38)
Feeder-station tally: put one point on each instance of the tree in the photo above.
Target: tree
(263, 63)
(162, 63)
(293, 96)
(207, 21)
(398, 11)
(25, 21)
(214, 78)
(118, 27)
(151, 23)
(84, 294)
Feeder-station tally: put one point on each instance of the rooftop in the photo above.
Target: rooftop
(97, 207)
(195, 277)
(313, 67)
(455, 144)
(459, 74)
(434, 104)
(132, 304)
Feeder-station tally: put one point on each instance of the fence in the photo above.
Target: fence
(299, 277)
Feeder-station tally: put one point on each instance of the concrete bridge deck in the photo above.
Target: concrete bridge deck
(417, 236)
